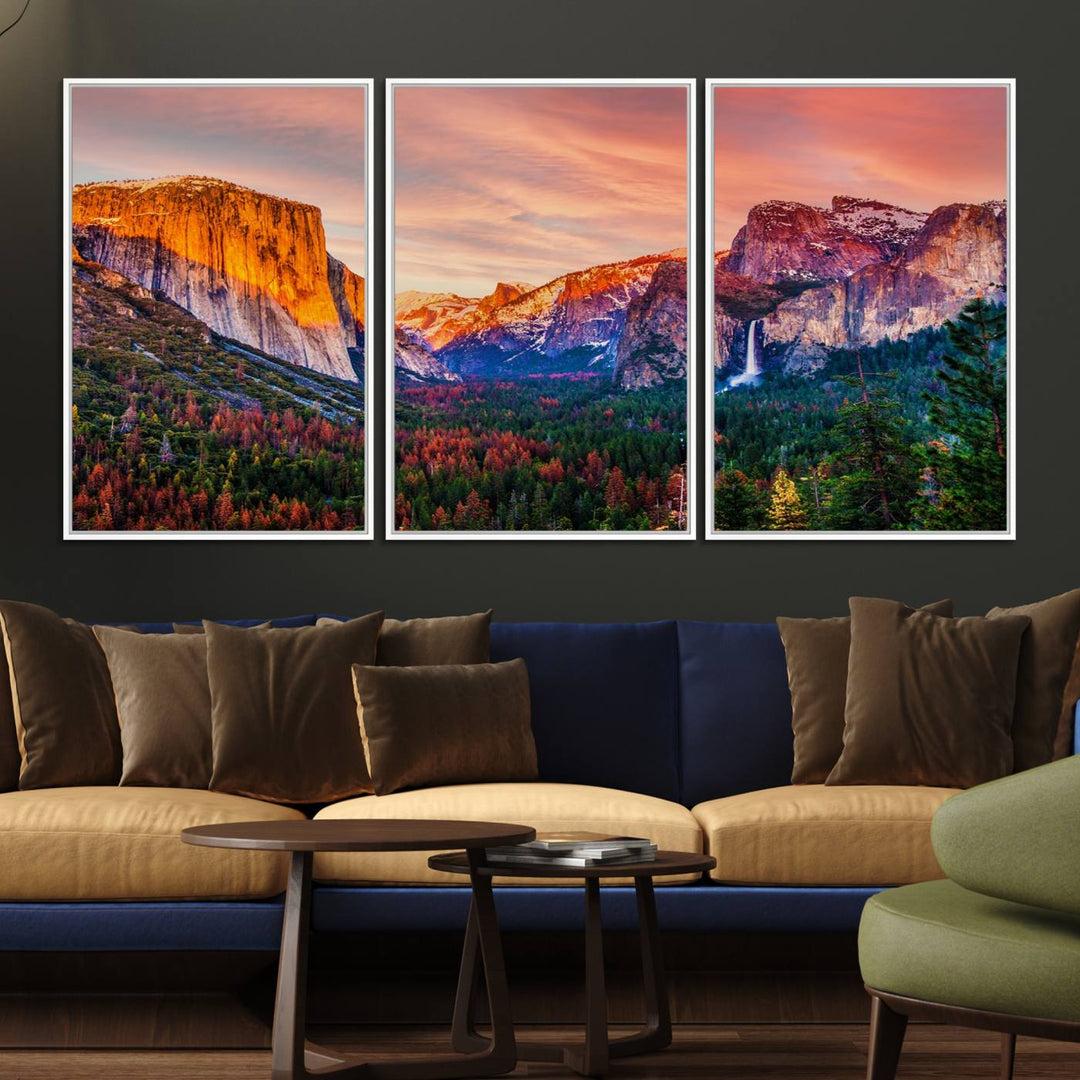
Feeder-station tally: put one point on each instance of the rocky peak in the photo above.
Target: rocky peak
(962, 240)
(436, 317)
(505, 292)
(252, 266)
(652, 348)
(876, 222)
(347, 290)
(415, 362)
(959, 253)
(795, 243)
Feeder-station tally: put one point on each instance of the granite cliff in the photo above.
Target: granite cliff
(251, 266)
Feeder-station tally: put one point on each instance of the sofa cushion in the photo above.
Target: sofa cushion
(65, 714)
(735, 709)
(447, 639)
(546, 807)
(10, 762)
(196, 625)
(283, 714)
(163, 703)
(439, 724)
(1065, 737)
(810, 834)
(604, 701)
(1046, 658)
(939, 942)
(817, 663)
(113, 843)
(183, 629)
(929, 699)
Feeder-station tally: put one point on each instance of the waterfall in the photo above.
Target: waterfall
(751, 371)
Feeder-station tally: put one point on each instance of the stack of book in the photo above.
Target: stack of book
(575, 849)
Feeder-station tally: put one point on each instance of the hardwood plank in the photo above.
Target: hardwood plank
(698, 1052)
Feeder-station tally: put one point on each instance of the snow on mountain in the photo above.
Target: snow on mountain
(875, 221)
(572, 322)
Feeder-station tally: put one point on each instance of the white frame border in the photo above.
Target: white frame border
(370, 422)
(711, 532)
(690, 533)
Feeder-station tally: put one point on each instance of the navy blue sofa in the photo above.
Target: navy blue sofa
(685, 711)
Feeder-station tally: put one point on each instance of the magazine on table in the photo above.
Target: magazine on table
(575, 849)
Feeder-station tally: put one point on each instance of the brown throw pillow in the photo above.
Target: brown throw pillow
(163, 702)
(929, 699)
(445, 724)
(9, 739)
(453, 639)
(1065, 738)
(817, 663)
(197, 628)
(1046, 657)
(283, 713)
(62, 697)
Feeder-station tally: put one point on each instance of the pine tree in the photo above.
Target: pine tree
(738, 504)
(970, 463)
(785, 510)
(881, 478)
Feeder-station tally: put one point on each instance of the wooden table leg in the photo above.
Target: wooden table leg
(501, 1053)
(464, 1037)
(657, 1031)
(290, 1012)
(292, 1058)
(592, 1058)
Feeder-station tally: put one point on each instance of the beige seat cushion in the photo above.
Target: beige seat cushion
(810, 834)
(546, 807)
(123, 843)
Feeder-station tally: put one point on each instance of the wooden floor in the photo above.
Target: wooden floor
(724, 1052)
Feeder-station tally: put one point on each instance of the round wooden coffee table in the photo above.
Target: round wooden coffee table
(591, 1058)
(291, 1057)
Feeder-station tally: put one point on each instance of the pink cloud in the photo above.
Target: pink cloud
(301, 142)
(526, 183)
(916, 146)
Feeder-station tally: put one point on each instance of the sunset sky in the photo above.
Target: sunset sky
(302, 142)
(524, 183)
(918, 147)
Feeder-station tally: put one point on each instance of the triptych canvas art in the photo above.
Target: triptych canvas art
(541, 310)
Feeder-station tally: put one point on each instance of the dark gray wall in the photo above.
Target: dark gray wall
(529, 580)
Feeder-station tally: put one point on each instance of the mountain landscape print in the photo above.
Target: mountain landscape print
(538, 272)
(218, 256)
(860, 355)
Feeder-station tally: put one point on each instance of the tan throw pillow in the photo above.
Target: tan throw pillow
(197, 628)
(929, 700)
(163, 702)
(817, 661)
(1046, 656)
(445, 724)
(453, 639)
(62, 697)
(282, 710)
(9, 739)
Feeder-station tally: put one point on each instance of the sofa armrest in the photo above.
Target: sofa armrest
(1017, 838)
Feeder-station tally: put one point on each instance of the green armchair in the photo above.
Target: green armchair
(997, 944)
